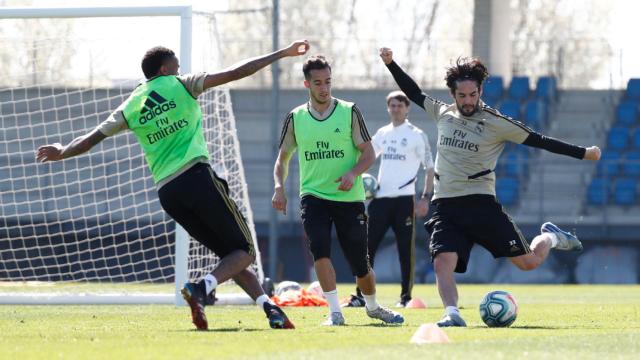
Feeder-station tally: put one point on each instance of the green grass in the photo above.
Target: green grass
(555, 322)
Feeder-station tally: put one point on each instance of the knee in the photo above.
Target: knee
(527, 264)
(445, 262)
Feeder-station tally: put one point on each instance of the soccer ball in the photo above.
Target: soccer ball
(285, 286)
(370, 185)
(315, 289)
(498, 309)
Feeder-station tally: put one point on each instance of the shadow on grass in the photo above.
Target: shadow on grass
(525, 327)
(221, 330)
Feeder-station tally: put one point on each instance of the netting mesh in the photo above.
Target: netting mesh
(95, 217)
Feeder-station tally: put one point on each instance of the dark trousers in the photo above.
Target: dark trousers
(395, 213)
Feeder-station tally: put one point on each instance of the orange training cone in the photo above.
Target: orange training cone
(429, 334)
(416, 303)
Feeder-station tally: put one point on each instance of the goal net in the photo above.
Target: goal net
(96, 217)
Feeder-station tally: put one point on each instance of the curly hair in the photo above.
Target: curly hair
(466, 69)
(315, 62)
(154, 58)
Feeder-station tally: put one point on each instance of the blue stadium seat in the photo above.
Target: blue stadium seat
(631, 164)
(635, 139)
(598, 191)
(546, 88)
(511, 109)
(624, 192)
(512, 165)
(633, 89)
(519, 88)
(609, 164)
(507, 190)
(492, 90)
(535, 114)
(626, 113)
(618, 138)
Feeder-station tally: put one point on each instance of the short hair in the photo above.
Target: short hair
(315, 62)
(154, 58)
(398, 95)
(466, 69)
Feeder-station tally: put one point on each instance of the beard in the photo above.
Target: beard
(468, 110)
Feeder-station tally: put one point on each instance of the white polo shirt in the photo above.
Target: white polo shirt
(402, 149)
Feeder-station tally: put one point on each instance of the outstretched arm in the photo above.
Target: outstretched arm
(405, 82)
(79, 145)
(250, 66)
(561, 147)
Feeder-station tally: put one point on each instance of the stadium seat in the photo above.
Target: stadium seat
(633, 89)
(609, 164)
(635, 139)
(546, 88)
(519, 88)
(631, 164)
(492, 90)
(507, 190)
(598, 191)
(626, 113)
(535, 114)
(618, 138)
(624, 192)
(511, 109)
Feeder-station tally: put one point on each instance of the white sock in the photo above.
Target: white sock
(554, 239)
(210, 283)
(370, 302)
(332, 299)
(452, 310)
(263, 299)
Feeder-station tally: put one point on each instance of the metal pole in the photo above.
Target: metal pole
(275, 102)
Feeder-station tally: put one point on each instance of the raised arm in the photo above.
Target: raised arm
(77, 146)
(405, 82)
(250, 66)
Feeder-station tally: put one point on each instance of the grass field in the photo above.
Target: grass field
(555, 322)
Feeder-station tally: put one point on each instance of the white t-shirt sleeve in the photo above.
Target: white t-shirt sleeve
(376, 142)
(424, 152)
(114, 124)
(194, 83)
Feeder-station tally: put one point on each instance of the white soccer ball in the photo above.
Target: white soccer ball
(285, 286)
(316, 289)
(370, 185)
(498, 309)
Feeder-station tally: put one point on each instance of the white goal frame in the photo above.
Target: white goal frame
(185, 14)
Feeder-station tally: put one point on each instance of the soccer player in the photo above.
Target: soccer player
(471, 137)
(334, 148)
(164, 114)
(402, 149)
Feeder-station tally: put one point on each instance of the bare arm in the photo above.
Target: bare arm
(280, 172)
(367, 157)
(422, 206)
(77, 146)
(250, 66)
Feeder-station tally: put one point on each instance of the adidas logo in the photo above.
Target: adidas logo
(337, 130)
(155, 105)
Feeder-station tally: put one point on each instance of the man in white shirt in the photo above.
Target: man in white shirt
(402, 149)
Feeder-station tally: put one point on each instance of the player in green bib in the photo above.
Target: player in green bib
(164, 114)
(334, 148)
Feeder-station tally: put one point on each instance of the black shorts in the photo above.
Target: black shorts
(199, 201)
(458, 223)
(350, 220)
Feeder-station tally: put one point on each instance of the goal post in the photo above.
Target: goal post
(96, 217)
